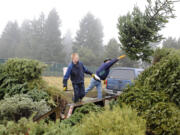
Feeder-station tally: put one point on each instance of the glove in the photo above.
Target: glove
(121, 57)
(93, 75)
(96, 77)
(64, 88)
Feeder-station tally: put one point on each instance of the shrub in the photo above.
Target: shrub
(11, 87)
(25, 126)
(16, 76)
(161, 53)
(156, 86)
(23, 76)
(164, 76)
(122, 121)
(119, 121)
(23, 69)
(60, 129)
(163, 119)
(79, 113)
(38, 95)
(142, 99)
(13, 108)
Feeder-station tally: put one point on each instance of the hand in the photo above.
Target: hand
(64, 88)
(96, 77)
(121, 57)
(93, 75)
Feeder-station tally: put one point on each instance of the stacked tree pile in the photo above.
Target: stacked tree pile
(22, 90)
(156, 94)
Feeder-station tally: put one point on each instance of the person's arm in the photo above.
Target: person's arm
(86, 70)
(91, 73)
(67, 75)
(111, 63)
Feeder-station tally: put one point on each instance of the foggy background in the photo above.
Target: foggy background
(50, 30)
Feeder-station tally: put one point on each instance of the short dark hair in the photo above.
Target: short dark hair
(107, 59)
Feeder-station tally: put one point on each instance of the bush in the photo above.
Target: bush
(119, 121)
(161, 53)
(11, 87)
(17, 74)
(141, 99)
(23, 69)
(79, 113)
(25, 126)
(38, 95)
(164, 76)
(122, 121)
(13, 108)
(163, 119)
(156, 86)
(23, 76)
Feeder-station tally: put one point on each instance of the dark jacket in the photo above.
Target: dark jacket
(103, 70)
(76, 73)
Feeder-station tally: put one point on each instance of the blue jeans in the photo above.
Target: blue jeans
(79, 92)
(92, 84)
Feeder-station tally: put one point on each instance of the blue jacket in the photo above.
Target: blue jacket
(104, 69)
(76, 73)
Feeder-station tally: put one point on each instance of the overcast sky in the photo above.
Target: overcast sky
(72, 11)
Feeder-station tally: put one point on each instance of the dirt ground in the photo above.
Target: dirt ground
(57, 82)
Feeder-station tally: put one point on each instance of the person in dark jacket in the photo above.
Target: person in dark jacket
(76, 71)
(102, 72)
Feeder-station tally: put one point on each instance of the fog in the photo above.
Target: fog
(72, 11)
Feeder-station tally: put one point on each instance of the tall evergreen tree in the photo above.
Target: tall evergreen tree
(137, 29)
(67, 43)
(32, 38)
(112, 50)
(53, 42)
(10, 40)
(25, 48)
(38, 37)
(90, 35)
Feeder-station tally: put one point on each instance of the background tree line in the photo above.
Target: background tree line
(171, 42)
(41, 39)
(37, 39)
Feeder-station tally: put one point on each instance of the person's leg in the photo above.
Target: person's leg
(99, 89)
(91, 86)
(81, 90)
(76, 92)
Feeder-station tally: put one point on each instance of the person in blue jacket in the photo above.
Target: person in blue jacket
(102, 72)
(76, 71)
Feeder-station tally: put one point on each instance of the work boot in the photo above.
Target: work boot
(80, 100)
